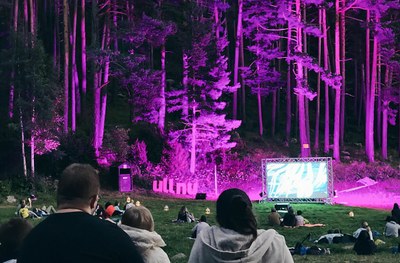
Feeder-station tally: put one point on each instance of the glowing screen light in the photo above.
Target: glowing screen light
(297, 179)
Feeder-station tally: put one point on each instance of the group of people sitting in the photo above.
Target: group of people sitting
(290, 219)
(73, 234)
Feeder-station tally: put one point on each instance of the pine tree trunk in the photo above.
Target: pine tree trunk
(185, 110)
(273, 113)
(367, 83)
(161, 117)
(326, 67)
(236, 65)
(304, 142)
(83, 54)
(75, 80)
(66, 65)
(26, 17)
(356, 89)
(288, 84)
(336, 130)
(23, 154)
(371, 103)
(242, 81)
(193, 144)
(362, 96)
(32, 142)
(259, 101)
(12, 87)
(103, 85)
(96, 112)
(343, 70)
(32, 16)
(379, 102)
(115, 23)
(384, 129)
(318, 109)
(55, 38)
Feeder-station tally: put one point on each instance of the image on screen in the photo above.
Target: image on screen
(297, 179)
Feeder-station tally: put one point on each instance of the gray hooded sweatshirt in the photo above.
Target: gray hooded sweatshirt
(217, 244)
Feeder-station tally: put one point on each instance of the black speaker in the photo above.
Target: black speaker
(201, 196)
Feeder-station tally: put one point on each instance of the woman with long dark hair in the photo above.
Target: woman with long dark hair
(237, 238)
(396, 213)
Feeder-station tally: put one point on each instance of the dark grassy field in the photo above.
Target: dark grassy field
(176, 235)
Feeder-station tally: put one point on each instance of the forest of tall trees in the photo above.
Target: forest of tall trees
(78, 78)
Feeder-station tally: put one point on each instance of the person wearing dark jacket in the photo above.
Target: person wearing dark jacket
(289, 219)
(364, 245)
(396, 213)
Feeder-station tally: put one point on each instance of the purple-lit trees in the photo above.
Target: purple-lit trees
(264, 21)
(205, 128)
(261, 76)
(146, 86)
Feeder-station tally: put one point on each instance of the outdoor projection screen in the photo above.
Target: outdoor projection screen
(297, 179)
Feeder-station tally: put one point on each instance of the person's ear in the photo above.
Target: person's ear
(93, 201)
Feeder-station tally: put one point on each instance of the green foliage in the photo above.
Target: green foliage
(74, 148)
(144, 182)
(151, 135)
(116, 142)
(21, 186)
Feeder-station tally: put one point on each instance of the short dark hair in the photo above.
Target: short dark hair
(203, 218)
(299, 212)
(77, 184)
(234, 211)
(12, 234)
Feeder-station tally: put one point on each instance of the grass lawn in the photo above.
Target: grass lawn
(176, 235)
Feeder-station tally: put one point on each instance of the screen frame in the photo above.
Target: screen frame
(330, 192)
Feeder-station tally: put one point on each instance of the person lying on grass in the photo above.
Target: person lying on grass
(301, 221)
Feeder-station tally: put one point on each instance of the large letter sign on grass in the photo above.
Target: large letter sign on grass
(167, 186)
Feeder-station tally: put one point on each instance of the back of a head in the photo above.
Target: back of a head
(290, 210)
(273, 210)
(203, 218)
(396, 206)
(234, 211)
(12, 234)
(299, 212)
(78, 183)
(139, 217)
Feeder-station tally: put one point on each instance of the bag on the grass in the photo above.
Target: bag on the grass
(314, 250)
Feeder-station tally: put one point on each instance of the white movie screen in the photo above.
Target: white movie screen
(297, 179)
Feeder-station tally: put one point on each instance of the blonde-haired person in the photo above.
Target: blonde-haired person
(138, 223)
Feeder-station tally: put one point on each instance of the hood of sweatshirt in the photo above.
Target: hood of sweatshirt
(143, 239)
(225, 245)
